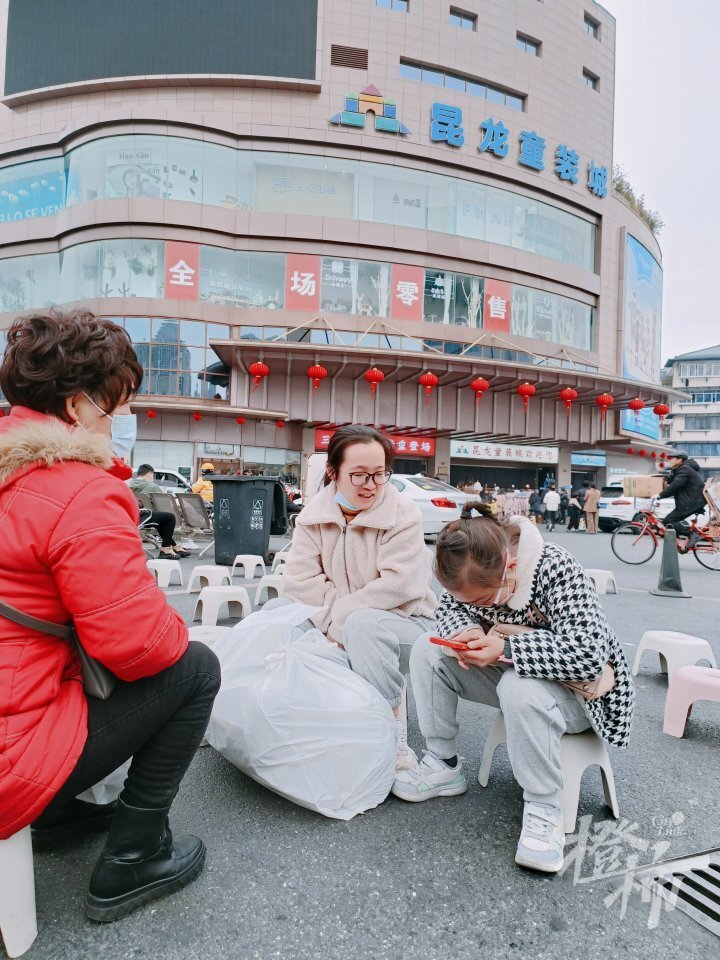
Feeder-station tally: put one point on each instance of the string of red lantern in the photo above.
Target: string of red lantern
(280, 424)
(151, 414)
(631, 450)
(661, 410)
(479, 386)
(526, 390)
(197, 417)
(428, 380)
(239, 421)
(567, 395)
(636, 405)
(374, 377)
(604, 401)
(317, 373)
(258, 370)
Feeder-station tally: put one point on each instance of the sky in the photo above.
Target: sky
(667, 138)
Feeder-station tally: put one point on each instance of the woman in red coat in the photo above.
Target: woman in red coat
(71, 551)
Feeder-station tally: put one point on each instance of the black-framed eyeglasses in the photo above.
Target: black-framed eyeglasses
(379, 478)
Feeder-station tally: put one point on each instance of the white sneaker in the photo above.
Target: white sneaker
(542, 840)
(430, 778)
(406, 758)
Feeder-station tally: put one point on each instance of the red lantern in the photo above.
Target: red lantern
(151, 414)
(567, 395)
(636, 406)
(604, 401)
(631, 450)
(317, 373)
(643, 453)
(374, 377)
(428, 380)
(2, 414)
(479, 385)
(280, 424)
(653, 455)
(661, 410)
(526, 390)
(197, 417)
(662, 464)
(239, 421)
(258, 370)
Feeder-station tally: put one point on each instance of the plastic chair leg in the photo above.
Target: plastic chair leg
(18, 917)
(496, 737)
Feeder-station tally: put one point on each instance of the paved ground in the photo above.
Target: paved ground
(437, 880)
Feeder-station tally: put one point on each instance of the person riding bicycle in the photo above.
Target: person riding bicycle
(686, 486)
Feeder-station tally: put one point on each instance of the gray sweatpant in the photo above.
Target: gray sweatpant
(537, 713)
(377, 644)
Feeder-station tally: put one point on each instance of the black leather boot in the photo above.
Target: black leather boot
(77, 819)
(140, 863)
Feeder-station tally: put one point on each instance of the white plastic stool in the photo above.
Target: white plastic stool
(271, 581)
(279, 560)
(674, 649)
(211, 599)
(18, 919)
(209, 576)
(208, 635)
(578, 751)
(249, 562)
(602, 580)
(279, 567)
(164, 569)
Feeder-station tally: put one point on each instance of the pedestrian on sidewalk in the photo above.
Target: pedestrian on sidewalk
(531, 618)
(574, 512)
(592, 508)
(359, 552)
(71, 552)
(552, 505)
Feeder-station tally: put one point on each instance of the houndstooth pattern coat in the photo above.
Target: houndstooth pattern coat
(577, 640)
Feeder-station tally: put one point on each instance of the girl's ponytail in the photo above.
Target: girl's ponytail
(474, 548)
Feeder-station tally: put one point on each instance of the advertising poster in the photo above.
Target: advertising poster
(182, 261)
(407, 292)
(318, 193)
(42, 195)
(642, 315)
(135, 172)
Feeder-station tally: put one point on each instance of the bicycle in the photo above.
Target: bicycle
(635, 542)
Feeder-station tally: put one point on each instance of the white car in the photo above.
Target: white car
(170, 481)
(439, 502)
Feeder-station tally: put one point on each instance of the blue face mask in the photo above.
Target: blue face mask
(341, 499)
(123, 430)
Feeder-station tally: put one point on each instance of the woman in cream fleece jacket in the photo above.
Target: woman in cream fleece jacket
(358, 551)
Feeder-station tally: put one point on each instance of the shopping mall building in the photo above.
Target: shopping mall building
(394, 189)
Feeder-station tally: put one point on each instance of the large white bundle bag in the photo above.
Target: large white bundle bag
(293, 716)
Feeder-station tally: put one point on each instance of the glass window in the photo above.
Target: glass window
(591, 26)
(408, 71)
(476, 89)
(454, 82)
(393, 5)
(468, 301)
(438, 303)
(590, 80)
(495, 96)
(30, 190)
(266, 280)
(435, 77)
(138, 329)
(466, 21)
(527, 45)
(514, 103)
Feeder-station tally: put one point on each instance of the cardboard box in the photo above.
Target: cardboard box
(644, 487)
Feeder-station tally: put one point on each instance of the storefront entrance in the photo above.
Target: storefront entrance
(503, 477)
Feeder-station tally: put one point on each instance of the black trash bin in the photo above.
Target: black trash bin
(245, 511)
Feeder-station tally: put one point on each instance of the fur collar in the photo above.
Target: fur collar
(529, 553)
(30, 442)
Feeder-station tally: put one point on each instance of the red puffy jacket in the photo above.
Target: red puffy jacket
(69, 549)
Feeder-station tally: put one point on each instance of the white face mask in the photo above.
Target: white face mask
(123, 430)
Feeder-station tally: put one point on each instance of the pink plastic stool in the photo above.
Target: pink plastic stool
(687, 685)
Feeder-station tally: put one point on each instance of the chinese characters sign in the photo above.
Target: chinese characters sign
(182, 262)
(497, 299)
(446, 126)
(493, 451)
(407, 289)
(404, 446)
(302, 282)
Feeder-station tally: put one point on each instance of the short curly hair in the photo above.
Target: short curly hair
(52, 356)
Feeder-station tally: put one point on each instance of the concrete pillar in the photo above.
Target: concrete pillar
(308, 448)
(564, 470)
(440, 463)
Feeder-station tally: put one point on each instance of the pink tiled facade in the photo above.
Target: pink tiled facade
(279, 119)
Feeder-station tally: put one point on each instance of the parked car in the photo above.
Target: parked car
(439, 502)
(170, 481)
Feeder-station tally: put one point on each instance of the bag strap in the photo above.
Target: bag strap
(538, 614)
(44, 626)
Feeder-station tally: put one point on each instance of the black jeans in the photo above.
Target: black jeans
(675, 517)
(550, 517)
(158, 721)
(165, 522)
